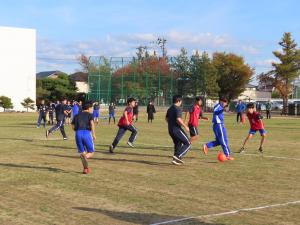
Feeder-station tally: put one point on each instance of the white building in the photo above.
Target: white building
(17, 64)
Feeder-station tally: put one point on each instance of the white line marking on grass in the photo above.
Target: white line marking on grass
(228, 213)
(271, 156)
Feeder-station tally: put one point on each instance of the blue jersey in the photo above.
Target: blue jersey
(240, 107)
(218, 116)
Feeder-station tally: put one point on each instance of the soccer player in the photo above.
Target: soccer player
(125, 123)
(111, 110)
(83, 124)
(96, 112)
(240, 108)
(51, 109)
(150, 111)
(175, 123)
(42, 110)
(61, 111)
(219, 129)
(195, 113)
(68, 117)
(75, 109)
(268, 109)
(256, 124)
(136, 111)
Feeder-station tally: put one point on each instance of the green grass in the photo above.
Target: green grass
(41, 180)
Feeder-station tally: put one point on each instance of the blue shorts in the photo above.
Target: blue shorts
(111, 115)
(96, 114)
(84, 141)
(261, 131)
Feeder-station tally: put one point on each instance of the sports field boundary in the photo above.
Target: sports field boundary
(229, 212)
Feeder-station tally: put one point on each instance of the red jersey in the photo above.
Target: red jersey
(255, 121)
(122, 121)
(195, 113)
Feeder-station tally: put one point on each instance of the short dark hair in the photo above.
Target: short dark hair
(177, 98)
(223, 99)
(250, 105)
(87, 105)
(198, 98)
(129, 100)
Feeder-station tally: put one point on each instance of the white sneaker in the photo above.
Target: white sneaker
(177, 159)
(130, 144)
(176, 163)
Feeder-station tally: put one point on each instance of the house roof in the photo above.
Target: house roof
(79, 77)
(47, 73)
(250, 86)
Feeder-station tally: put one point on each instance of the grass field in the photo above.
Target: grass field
(41, 180)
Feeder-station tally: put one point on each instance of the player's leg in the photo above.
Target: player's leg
(249, 136)
(118, 137)
(44, 120)
(185, 143)
(193, 133)
(214, 143)
(39, 121)
(62, 131)
(133, 135)
(263, 134)
(223, 140)
(89, 146)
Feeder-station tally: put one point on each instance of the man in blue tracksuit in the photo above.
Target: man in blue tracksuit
(219, 129)
(240, 109)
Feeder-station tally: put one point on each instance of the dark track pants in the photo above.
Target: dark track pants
(59, 125)
(42, 117)
(181, 142)
(122, 130)
(239, 117)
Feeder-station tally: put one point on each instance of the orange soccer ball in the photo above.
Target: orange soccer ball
(222, 157)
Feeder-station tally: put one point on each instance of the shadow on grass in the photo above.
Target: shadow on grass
(138, 154)
(51, 169)
(18, 139)
(151, 163)
(141, 218)
(154, 148)
(57, 147)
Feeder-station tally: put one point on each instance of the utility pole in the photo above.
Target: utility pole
(162, 44)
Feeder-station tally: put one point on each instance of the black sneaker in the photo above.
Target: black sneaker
(177, 159)
(111, 149)
(242, 150)
(260, 150)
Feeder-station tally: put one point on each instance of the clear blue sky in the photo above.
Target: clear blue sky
(67, 28)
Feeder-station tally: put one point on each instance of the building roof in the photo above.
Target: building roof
(250, 86)
(45, 74)
(79, 77)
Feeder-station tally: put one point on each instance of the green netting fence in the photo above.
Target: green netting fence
(117, 78)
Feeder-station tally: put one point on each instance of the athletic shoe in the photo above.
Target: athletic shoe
(260, 150)
(85, 171)
(229, 158)
(65, 138)
(174, 162)
(177, 159)
(205, 149)
(47, 133)
(242, 150)
(130, 144)
(89, 170)
(111, 149)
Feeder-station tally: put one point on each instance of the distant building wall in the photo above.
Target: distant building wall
(82, 87)
(18, 64)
